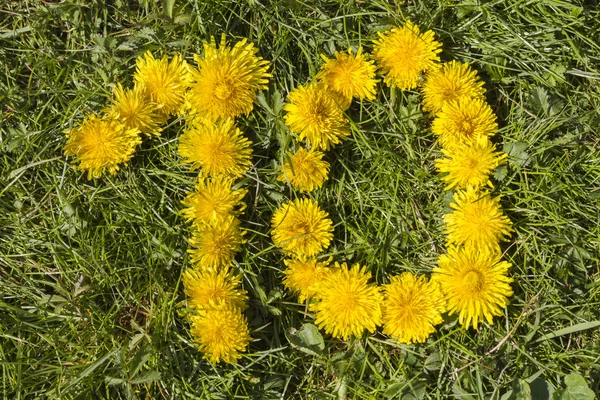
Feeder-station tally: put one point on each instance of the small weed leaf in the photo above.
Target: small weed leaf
(576, 389)
(517, 154)
(433, 362)
(411, 390)
(539, 99)
(541, 389)
(149, 376)
(520, 391)
(307, 339)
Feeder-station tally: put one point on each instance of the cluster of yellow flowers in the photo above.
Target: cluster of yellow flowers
(470, 279)
(208, 96)
(473, 280)
(101, 143)
(222, 88)
(343, 301)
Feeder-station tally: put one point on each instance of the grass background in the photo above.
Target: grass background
(90, 271)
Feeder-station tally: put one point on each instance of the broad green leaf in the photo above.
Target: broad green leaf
(183, 19)
(520, 391)
(433, 362)
(576, 389)
(111, 381)
(150, 376)
(410, 390)
(539, 99)
(307, 339)
(540, 388)
(517, 153)
(169, 6)
(140, 359)
(500, 173)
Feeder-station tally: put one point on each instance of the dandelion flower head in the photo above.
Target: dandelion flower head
(470, 164)
(302, 275)
(213, 289)
(225, 83)
(404, 53)
(474, 282)
(305, 170)
(213, 197)
(452, 82)
(350, 75)
(165, 82)
(342, 101)
(315, 116)
(216, 243)
(412, 307)
(302, 228)
(136, 111)
(218, 148)
(101, 145)
(463, 121)
(347, 304)
(477, 220)
(222, 334)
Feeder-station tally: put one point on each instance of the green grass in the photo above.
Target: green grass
(90, 271)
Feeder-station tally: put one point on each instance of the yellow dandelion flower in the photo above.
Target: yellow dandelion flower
(412, 307)
(343, 102)
(461, 122)
(350, 75)
(404, 53)
(216, 243)
(221, 333)
(213, 197)
(101, 144)
(305, 170)
(452, 82)
(225, 83)
(302, 275)
(165, 82)
(474, 283)
(218, 148)
(477, 220)
(302, 228)
(347, 304)
(315, 116)
(471, 164)
(213, 289)
(136, 111)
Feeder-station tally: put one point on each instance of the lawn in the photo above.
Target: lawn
(91, 295)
